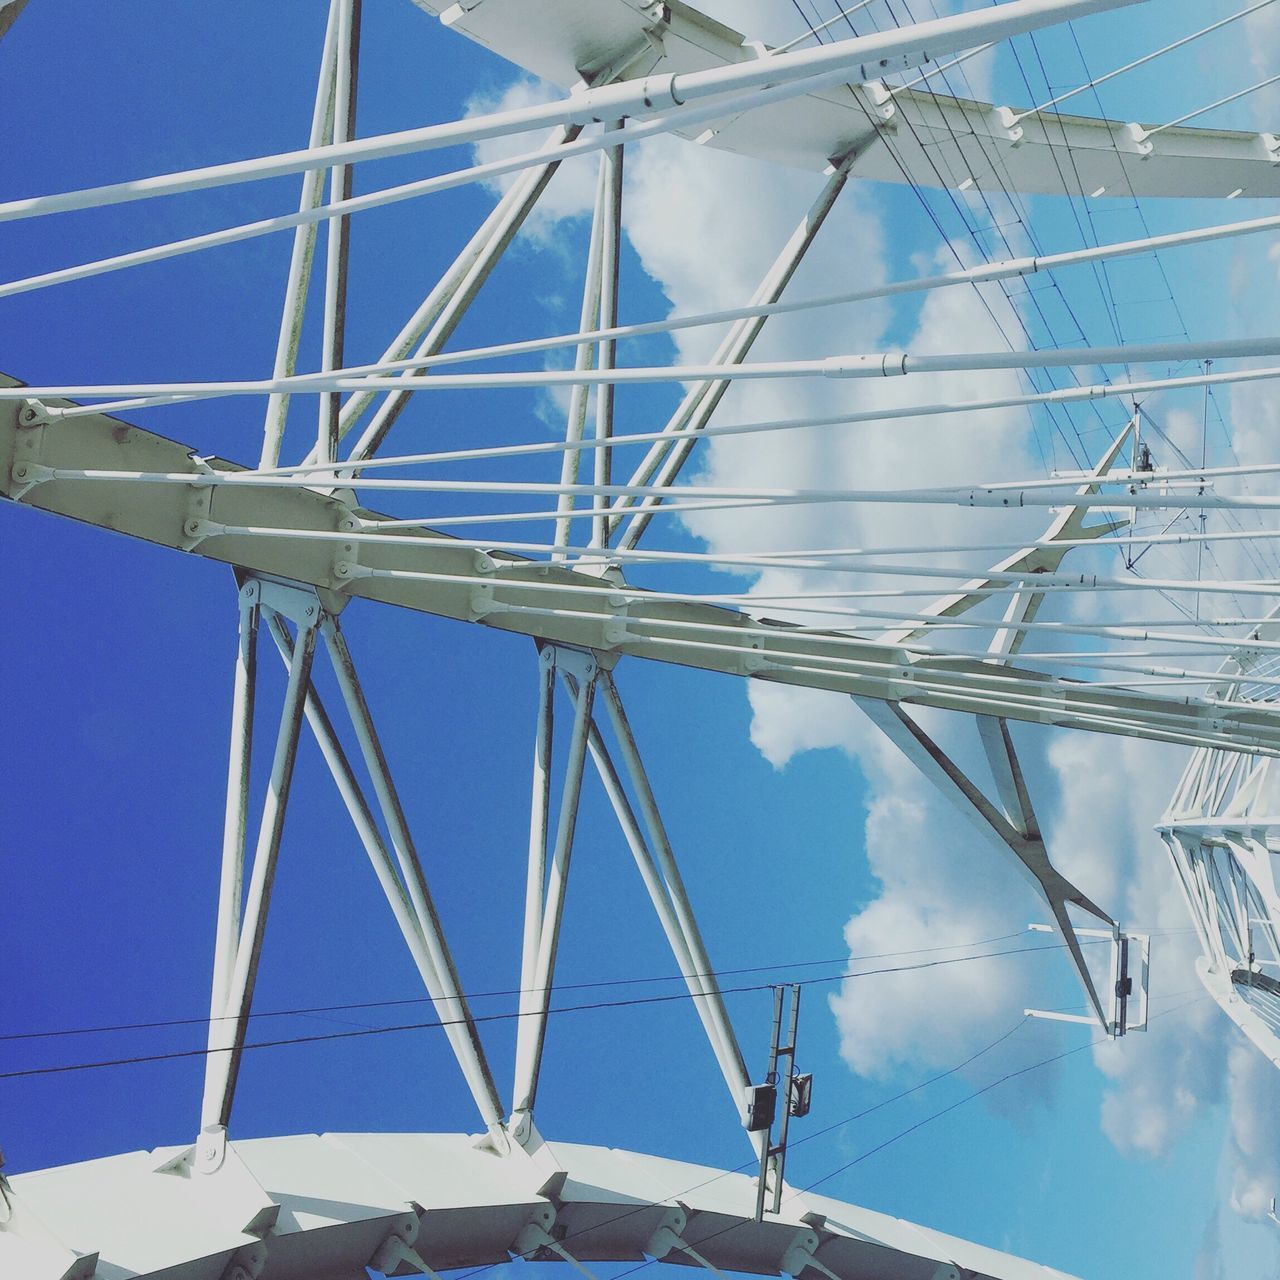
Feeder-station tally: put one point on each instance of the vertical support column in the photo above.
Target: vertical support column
(611, 161)
(539, 819)
(236, 814)
(227, 1033)
(446, 997)
(784, 1125)
(536, 985)
(700, 983)
(304, 244)
(444, 307)
(338, 229)
(580, 393)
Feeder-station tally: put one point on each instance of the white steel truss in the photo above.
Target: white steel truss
(1222, 831)
(242, 916)
(303, 547)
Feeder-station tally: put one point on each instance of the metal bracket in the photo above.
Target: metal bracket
(197, 519)
(211, 1148)
(1141, 140)
(25, 470)
(1126, 985)
(398, 1248)
(667, 1234)
(301, 605)
(800, 1254)
(248, 1264)
(1013, 131)
(615, 629)
(1271, 143)
(668, 1237)
(535, 1239)
(346, 564)
(881, 98)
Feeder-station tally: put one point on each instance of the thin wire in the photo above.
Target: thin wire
(888, 1142)
(754, 1160)
(361, 1032)
(516, 991)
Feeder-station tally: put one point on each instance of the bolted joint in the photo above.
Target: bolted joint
(248, 1263)
(33, 413)
(211, 1148)
(398, 1249)
(1014, 133)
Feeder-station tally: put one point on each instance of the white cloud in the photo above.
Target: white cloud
(934, 888)
(705, 225)
(569, 194)
(1255, 1131)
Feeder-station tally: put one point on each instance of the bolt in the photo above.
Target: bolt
(20, 473)
(310, 610)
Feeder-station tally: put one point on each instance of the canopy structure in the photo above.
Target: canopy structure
(326, 1207)
(894, 134)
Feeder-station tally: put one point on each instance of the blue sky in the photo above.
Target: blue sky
(118, 661)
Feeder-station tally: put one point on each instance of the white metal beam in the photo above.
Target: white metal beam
(611, 161)
(665, 459)
(442, 985)
(442, 310)
(304, 243)
(461, 1029)
(584, 357)
(660, 872)
(548, 876)
(338, 229)
(798, 72)
(236, 814)
(1028, 848)
(228, 1028)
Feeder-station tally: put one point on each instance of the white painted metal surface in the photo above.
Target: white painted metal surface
(1222, 830)
(992, 145)
(324, 1207)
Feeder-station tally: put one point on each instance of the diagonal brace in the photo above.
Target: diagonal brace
(1028, 848)
(548, 874)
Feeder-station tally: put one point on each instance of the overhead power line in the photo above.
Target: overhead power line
(435, 1024)
(515, 991)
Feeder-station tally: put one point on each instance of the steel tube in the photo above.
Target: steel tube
(304, 243)
(224, 1067)
(531, 1035)
(539, 831)
(736, 1069)
(802, 71)
(727, 1055)
(444, 307)
(611, 161)
(338, 229)
(463, 1034)
(666, 459)
(584, 358)
(235, 822)
(401, 908)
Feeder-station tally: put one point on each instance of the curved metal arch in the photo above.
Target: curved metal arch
(324, 1207)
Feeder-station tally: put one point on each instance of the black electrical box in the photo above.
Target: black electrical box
(762, 1105)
